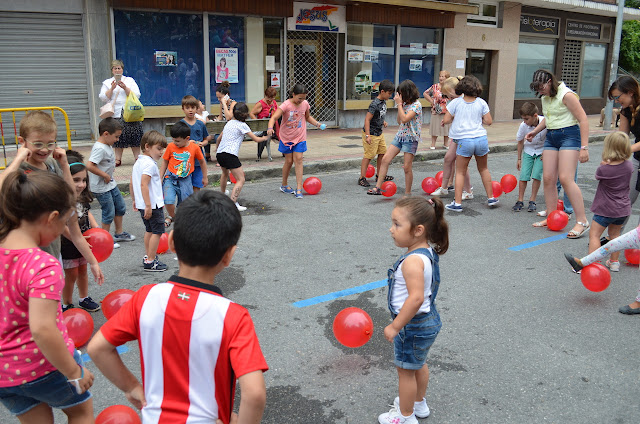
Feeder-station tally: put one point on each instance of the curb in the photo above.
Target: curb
(318, 167)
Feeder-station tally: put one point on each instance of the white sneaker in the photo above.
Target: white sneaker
(542, 213)
(420, 409)
(241, 208)
(116, 245)
(226, 192)
(467, 196)
(395, 417)
(613, 266)
(440, 192)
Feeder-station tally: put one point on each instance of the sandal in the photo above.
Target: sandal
(167, 222)
(575, 266)
(118, 162)
(375, 191)
(540, 223)
(386, 178)
(362, 181)
(573, 234)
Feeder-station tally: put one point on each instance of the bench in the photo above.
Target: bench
(216, 127)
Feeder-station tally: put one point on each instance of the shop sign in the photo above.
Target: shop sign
(539, 24)
(317, 17)
(275, 79)
(584, 30)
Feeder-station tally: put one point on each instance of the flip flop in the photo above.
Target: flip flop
(540, 224)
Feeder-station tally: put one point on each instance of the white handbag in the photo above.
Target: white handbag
(107, 110)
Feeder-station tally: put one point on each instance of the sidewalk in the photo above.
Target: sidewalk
(330, 150)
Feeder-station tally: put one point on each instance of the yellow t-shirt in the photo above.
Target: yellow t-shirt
(555, 112)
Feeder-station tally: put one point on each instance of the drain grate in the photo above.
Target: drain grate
(350, 146)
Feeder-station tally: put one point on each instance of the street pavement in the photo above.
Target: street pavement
(522, 340)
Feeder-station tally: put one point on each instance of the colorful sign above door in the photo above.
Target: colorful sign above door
(317, 17)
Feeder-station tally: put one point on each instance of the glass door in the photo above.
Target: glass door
(479, 65)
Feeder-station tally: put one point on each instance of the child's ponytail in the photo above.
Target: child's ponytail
(28, 196)
(430, 214)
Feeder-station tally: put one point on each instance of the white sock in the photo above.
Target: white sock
(82, 299)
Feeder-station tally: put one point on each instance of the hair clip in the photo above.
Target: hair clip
(431, 202)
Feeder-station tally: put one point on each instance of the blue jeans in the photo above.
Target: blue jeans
(175, 189)
(112, 204)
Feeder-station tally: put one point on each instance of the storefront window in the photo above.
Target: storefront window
(226, 54)
(273, 29)
(533, 54)
(420, 56)
(163, 52)
(593, 70)
(370, 59)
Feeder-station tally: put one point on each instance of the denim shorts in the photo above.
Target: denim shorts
(476, 146)
(298, 148)
(176, 190)
(155, 224)
(413, 342)
(52, 389)
(405, 145)
(112, 204)
(196, 176)
(606, 221)
(567, 138)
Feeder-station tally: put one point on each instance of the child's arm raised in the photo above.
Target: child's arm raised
(42, 324)
(108, 361)
(21, 156)
(413, 272)
(403, 117)
(276, 115)
(253, 398)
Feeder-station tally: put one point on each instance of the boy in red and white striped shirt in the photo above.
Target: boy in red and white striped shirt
(193, 342)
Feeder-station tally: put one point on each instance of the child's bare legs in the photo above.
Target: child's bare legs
(224, 178)
(614, 231)
(196, 189)
(549, 180)
(567, 163)
(408, 173)
(407, 390)
(171, 210)
(117, 220)
(449, 167)
(379, 163)
(446, 141)
(43, 414)
(239, 174)
(462, 164)
(297, 160)
(383, 165)
(151, 242)
(422, 380)
(522, 187)
(594, 236)
(363, 167)
(80, 414)
(535, 186)
(70, 277)
(286, 168)
(40, 414)
(485, 175)
(82, 282)
(434, 140)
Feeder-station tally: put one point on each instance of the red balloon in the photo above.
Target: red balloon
(114, 301)
(557, 220)
(118, 414)
(232, 178)
(632, 256)
(595, 277)
(388, 188)
(371, 171)
(79, 325)
(312, 185)
(439, 178)
(429, 185)
(353, 327)
(508, 183)
(101, 243)
(497, 188)
(163, 246)
(560, 205)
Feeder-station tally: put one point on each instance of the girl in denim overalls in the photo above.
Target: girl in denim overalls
(419, 226)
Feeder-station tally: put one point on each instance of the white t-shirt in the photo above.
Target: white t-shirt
(536, 146)
(467, 121)
(400, 294)
(146, 166)
(104, 158)
(232, 136)
(121, 95)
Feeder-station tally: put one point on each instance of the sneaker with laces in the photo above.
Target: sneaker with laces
(145, 258)
(69, 306)
(466, 195)
(440, 192)
(241, 208)
(453, 207)
(116, 245)
(493, 201)
(532, 206)
(395, 417)
(420, 409)
(124, 236)
(155, 266)
(518, 206)
(613, 265)
(89, 304)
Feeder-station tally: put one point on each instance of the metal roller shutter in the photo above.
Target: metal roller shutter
(44, 65)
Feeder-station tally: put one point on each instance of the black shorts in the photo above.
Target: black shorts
(155, 224)
(228, 161)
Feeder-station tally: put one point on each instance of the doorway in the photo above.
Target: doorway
(312, 61)
(479, 65)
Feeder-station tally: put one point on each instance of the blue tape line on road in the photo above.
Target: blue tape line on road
(346, 292)
(121, 349)
(538, 242)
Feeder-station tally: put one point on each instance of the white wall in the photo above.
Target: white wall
(254, 43)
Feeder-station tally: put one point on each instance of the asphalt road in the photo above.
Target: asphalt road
(522, 340)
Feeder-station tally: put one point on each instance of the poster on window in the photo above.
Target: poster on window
(415, 65)
(165, 58)
(355, 56)
(226, 65)
(371, 55)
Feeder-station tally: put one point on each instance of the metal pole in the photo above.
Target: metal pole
(614, 64)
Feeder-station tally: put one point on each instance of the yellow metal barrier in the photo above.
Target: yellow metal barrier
(15, 127)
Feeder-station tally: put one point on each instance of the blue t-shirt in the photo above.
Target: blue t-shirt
(198, 133)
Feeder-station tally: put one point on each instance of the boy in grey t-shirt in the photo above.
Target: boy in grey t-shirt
(372, 137)
(101, 165)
